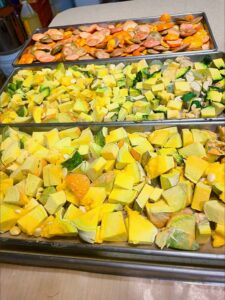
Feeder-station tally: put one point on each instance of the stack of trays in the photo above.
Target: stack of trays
(142, 133)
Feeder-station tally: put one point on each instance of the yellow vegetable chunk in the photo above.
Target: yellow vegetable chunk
(109, 208)
(98, 238)
(59, 227)
(181, 88)
(203, 230)
(158, 207)
(73, 133)
(124, 180)
(9, 214)
(201, 195)
(174, 141)
(55, 201)
(175, 197)
(143, 197)
(87, 225)
(188, 189)
(122, 196)
(174, 104)
(170, 179)
(51, 138)
(116, 135)
(155, 195)
(218, 236)
(113, 228)
(159, 165)
(5, 184)
(215, 211)
(196, 149)
(72, 213)
(10, 154)
(94, 197)
(160, 136)
(195, 168)
(85, 138)
(33, 219)
(12, 196)
(96, 168)
(33, 183)
(187, 137)
(135, 170)
(124, 157)
(52, 175)
(110, 151)
(141, 230)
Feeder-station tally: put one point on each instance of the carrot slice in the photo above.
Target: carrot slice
(26, 58)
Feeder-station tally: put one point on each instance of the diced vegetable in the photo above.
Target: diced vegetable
(138, 91)
(115, 185)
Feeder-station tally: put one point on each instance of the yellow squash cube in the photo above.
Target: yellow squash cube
(159, 165)
(33, 219)
(113, 228)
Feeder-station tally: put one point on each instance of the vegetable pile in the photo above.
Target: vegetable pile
(164, 187)
(174, 89)
(129, 38)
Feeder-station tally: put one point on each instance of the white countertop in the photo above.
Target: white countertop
(215, 10)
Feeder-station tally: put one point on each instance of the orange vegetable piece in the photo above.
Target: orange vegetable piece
(79, 184)
(189, 17)
(153, 28)
(196, 43)
(198, 26)
(164, 26)
(26, 58)
(164, 44)
(171, 37)
(90, 50)
(58, 56)
(165, 18)
(135, 154)
(111, 45)
(188, 40)
(67, 34)
(137, 53)
(201, 34)
(80, 42)
(174, 44)
(120, 143)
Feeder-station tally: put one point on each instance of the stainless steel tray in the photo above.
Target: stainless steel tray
(213, 44)
(193, 56)
(207, 264)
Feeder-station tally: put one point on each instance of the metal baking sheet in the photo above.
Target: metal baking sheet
(192, 56)
(213, 44)
(206, 264)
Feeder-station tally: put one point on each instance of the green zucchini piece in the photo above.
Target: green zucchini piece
(73, 161)
(22, 111)
(188, 96)
(182, 71)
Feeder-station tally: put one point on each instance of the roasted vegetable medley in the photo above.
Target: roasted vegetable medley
(174, 89)
(164, 187)
(129, 38)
